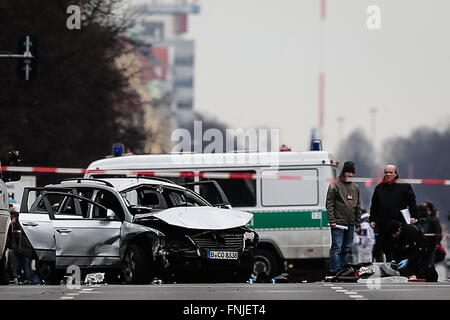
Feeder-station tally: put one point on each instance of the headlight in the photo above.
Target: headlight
(249, 240)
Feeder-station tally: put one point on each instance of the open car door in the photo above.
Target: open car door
(35, 221)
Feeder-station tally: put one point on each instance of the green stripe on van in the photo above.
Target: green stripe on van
(289, 219)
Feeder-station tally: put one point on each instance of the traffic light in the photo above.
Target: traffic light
(27, 66)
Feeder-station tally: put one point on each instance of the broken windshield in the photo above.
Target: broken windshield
(145, 199)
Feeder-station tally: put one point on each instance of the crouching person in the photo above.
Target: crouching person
(411, 252)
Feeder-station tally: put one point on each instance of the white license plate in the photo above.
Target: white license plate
(223, 255)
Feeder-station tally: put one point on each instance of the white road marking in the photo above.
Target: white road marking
(72, 295)
(358, 297)
(350, 293)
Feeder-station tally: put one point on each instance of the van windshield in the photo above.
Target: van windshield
(154, 198)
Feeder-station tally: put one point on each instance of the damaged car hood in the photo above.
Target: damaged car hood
(204, 217)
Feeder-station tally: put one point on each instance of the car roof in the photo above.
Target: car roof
(128, 182)
(118, 184)
(216, 160)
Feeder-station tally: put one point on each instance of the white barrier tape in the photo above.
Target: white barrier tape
(446, 235)
(212, 175)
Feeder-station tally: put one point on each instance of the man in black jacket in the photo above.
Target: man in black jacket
(388, 199)
(411, 252)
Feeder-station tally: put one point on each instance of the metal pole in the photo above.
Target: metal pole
(340, 133)
(12, 56)
(373, 112)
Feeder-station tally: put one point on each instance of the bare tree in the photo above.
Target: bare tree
(80, 102)
(424, 154)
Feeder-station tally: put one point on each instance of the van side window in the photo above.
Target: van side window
(290, 192)
(240, 192)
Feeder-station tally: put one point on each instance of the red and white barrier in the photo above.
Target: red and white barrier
(210, 175)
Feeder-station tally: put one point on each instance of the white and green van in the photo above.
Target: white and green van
(289, 212)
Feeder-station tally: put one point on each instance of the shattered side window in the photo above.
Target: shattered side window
(143, 200)
(108, 200)
(131, 198)
(68, 206)
(85, 192)
(39, 206)
(152, 199)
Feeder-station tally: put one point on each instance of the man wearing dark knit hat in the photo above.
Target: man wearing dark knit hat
(343, 204)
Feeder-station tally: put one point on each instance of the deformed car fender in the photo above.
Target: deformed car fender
(132, 231)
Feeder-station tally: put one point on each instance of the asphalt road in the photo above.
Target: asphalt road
(277, 301)
(257, 291)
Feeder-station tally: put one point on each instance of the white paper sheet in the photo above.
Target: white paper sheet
(406, 215)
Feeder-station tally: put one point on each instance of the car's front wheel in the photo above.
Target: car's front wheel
(137, 267)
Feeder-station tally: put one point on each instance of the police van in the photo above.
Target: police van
(285, 191)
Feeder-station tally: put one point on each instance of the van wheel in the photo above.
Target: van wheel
(265, 261)
(137, 266)
(4, 268)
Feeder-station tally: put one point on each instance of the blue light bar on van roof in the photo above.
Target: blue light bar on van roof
(316, 145)
(118, 149)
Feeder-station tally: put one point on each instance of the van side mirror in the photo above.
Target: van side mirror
(110, 215)
(14, 160)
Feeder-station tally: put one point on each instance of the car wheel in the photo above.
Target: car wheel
(265, 261)
(137, 265)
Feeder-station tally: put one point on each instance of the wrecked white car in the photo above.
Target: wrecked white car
(138, 228)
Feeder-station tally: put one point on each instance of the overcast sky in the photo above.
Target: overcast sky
(257, 64)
